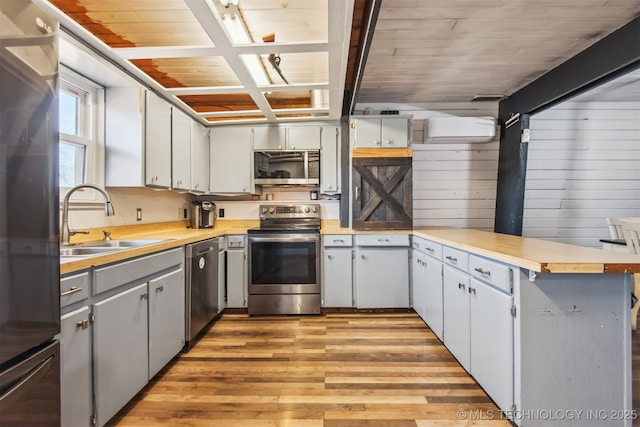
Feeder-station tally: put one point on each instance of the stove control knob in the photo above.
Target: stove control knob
(264, 210)
(272, 210)
(314, 209)
(306, 210)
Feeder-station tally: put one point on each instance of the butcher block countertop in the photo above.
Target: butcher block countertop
(533, 254)
(541, 256)
(177, 233)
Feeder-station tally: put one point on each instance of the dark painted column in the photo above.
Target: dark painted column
(512, 173)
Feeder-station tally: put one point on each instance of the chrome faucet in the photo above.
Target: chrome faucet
(65, 232)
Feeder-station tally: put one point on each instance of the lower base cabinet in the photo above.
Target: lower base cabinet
(337, 277)
(457, 325)
(75, 368)
(120, 350)
(382, 278)
(166, 319)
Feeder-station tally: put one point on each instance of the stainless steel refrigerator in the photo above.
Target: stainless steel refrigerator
(29, 263)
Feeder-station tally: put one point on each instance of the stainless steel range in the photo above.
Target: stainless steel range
(284, 260)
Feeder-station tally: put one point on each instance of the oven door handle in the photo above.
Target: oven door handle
(285, 238)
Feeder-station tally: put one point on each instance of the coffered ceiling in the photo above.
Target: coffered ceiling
(226, 60)
(293, 59)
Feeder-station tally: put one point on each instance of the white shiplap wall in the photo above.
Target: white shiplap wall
(453, 184)
(583, 166)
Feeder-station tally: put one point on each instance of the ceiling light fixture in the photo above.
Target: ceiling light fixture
(239, 34)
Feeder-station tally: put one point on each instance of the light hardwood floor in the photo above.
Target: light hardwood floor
(338, 370)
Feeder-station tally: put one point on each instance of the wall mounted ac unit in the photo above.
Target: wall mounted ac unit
(463, 130)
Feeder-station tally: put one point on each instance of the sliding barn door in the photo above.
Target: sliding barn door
(382, 193)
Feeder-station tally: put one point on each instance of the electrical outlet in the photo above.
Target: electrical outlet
(139, 214)
(221, 213)
(185, 214)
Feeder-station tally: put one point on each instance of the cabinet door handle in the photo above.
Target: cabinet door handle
(481, 271)
(72, 290)
(357, 195)
(160, 288)
(383, 240)
(338, 240)
(472, 290)
(329, 256)
(83, 324)
(452, 259)
(461, 286)
(388, 141)
(431, 250)
(144, 296)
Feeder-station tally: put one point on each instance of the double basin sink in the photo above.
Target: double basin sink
(101, 247)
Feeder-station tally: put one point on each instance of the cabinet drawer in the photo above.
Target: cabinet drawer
(382, 240)
(427, 246)
(74, 288)
(236, 241)
(455, 257)
(492, 272)
(330, 240)
(115, 275)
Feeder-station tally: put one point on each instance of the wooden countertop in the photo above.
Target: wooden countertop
(534, 254)
(177, 233)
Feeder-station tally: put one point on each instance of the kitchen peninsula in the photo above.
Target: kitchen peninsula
(540, 325)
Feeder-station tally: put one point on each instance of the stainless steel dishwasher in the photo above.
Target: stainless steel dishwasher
(201, 286)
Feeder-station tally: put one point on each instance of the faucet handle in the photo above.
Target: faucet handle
(107, 235)
(74, 232)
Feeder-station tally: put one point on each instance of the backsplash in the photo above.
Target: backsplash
(167, 206)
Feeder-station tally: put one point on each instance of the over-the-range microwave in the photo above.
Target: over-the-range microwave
(291, 167)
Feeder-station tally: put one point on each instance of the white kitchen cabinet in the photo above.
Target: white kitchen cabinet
(199, 158)
(286, 137)
(180, 151)
(75, 368)
(457, 315)
(491, 341)
(231, 160)
(237, 284)
(222, 274)
(166, 319)
(382, 270)
(157, 131)
(380, 132)
(120, 350)
(303, 138)
(337, 270)
(330, 160)
(418, 282)
(433, 298)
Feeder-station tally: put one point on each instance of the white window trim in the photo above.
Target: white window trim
(95, 154)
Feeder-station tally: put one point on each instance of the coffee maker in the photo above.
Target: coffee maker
(203, 214)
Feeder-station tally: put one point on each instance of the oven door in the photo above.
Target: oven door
(284, 263)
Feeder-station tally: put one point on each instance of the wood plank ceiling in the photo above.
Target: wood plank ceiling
(256, 60)
(441, 51)
(435, 51)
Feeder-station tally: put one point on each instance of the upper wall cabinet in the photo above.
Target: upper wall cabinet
(231, 160)
(157, 142)
(286, 138)
(380, 132)
(199, 158)
(124, 137)
(180, 151)
(330, 160)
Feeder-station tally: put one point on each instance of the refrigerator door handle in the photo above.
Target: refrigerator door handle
(24, 384)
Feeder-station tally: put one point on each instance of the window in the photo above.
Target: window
(81, 152)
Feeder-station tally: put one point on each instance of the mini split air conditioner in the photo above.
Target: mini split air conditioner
(462, 130)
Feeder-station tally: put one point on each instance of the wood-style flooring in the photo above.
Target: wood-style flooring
(338, 370)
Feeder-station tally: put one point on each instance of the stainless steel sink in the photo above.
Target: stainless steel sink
(130, 243)
(100, 247)
(84, 251)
